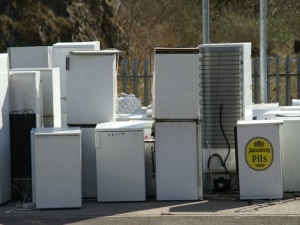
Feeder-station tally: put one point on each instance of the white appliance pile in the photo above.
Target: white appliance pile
(65, 137)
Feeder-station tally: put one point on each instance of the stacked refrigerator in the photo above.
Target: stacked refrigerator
(91, 99)
(177, 130)
(60, 52)
(5, 175)
(50, 78)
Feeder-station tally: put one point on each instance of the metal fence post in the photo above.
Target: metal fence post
(146, 82)
(277, 77)
(268, 79)
(124, 73)
(256, 79)
(287, 79)
(135, 78)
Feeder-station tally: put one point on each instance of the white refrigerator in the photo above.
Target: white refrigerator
(259, 145)
(91, 86)
(290, 153)
(120, 161)
(30, 57)
(60, 52)
(56, 167)
(178, 161)
(50, 79)
(5, 171)
(176, 83)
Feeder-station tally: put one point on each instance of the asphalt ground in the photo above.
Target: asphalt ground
(214, 209)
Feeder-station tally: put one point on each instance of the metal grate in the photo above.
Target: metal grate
(220, 94)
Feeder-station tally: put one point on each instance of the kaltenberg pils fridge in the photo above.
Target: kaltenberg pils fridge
(177, 134)
(91, 99)
(60, 52)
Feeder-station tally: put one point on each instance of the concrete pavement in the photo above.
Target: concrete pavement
(212, 205)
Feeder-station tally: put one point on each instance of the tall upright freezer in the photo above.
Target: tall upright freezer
(120, 161)
(5, 171)
(60, 52)
(56, 167)
(91, 86)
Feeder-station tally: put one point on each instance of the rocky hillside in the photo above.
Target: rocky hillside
(45, 22)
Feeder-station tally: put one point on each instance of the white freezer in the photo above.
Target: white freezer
(26, 94)
(56, 167)
(259, 109)
(60, 52)
(178, 161)
(176, 83)
(30, 57)
(50, 78)
(120, 160)
(91, 86)
(5, 171)
(290, 154)
(259, 159)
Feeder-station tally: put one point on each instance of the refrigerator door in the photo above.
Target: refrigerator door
(56, 168)
(91, 87)
(30, 57)
(50, 78)
(26, 93)
(5, 171)
(176, 83)
(60, 52)
(259, 159)
(177, 165)
(120, 162)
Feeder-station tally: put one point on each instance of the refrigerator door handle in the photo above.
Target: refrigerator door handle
(97, 144)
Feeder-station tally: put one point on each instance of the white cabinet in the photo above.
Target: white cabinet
(259, 159)
(56, 167)
(120, 161)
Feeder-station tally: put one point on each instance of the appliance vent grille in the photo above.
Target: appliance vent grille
(220, 94)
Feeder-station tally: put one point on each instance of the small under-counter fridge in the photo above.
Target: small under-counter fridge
(56, 167)
(259, 149)
(290, 153)
(178, 161)
(120, 159)
(176, 83)
(91, 86)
